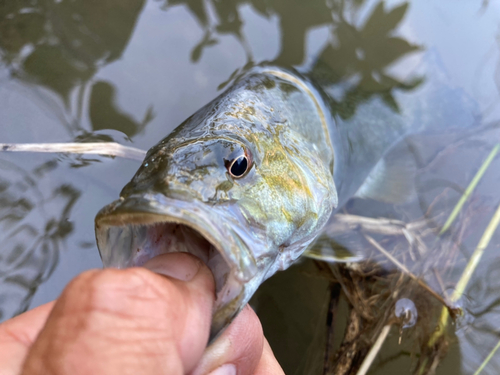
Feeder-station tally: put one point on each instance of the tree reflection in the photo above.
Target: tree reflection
(33, 225)
(104, 113)
(60, 45)
(357, 56)
(364, 53)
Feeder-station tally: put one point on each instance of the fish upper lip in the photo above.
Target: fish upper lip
(221, 232)
(223, 227)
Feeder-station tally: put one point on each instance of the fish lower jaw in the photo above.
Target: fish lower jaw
(164, 238)
(135, 244)
(131, 231)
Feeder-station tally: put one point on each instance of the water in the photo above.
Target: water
(132, 70)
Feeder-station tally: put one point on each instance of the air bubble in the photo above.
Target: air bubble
(407, 312)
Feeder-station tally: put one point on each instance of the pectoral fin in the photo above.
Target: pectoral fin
(392, 180)
(328, 250)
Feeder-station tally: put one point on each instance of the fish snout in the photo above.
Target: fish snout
(133, 230)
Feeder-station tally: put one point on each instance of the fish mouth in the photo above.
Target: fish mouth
(133, 230)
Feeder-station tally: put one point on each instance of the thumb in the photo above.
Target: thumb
(129, 321)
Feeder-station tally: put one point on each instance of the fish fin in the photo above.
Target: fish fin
(332, 253)
(392, 180)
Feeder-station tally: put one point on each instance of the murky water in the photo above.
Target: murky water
(132, 70)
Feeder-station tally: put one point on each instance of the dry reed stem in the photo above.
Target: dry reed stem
(467, 273)
(372, 354)
(487, 359)
(403, 268)
(98, 148)
(383, 226)
(470, 189)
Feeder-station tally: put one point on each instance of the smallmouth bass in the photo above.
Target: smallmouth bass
(246, 184)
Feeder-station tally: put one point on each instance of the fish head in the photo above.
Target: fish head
(233, 185)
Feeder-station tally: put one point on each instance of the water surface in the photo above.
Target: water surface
(132, 70)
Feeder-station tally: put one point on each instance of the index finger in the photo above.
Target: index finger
(128, 321)
(18, 334)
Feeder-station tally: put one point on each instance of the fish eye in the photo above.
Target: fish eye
(238, 167)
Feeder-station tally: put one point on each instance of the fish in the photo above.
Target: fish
(248, 182)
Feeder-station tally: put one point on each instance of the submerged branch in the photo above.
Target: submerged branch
(100, 148)
(335, 289)
(389, 227)
(405, 270)
(372, 354)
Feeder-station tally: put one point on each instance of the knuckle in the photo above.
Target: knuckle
(121, 292)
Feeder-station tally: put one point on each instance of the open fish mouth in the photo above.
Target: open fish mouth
(133, 230)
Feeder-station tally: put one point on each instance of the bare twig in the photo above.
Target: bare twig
(389, 227)
(99, 148)
(372, 354)
(406, 270)
(440, 282)
(330, 324)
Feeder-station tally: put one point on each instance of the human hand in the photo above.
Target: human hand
(135, 321)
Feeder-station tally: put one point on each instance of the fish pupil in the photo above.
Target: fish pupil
(239, 166)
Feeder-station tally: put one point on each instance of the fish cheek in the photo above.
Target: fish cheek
(253, 211)
(222, 189)
(263, 210)
(292, 197)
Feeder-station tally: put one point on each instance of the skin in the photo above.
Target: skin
(134, 321)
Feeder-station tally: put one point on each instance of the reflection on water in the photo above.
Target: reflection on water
(295, 19)
(228, 22)
(404, 240)
(362, 55)
(60, 45)
(356, 55)
(94, 71)
(34, 225)
(105, 115)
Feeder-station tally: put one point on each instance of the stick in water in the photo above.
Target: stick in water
(370, 357)
(102, 148)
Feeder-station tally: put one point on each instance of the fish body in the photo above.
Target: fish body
(247, 183)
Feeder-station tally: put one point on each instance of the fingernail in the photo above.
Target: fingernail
(180, 266)
(227, 369)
